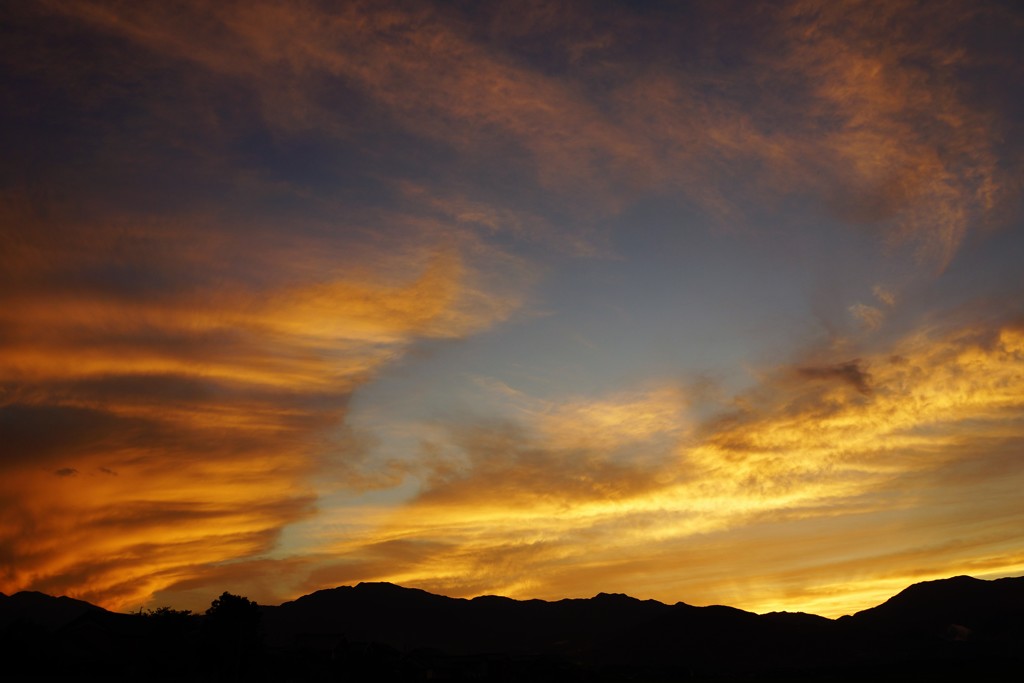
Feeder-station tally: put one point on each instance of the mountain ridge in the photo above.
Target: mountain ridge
(956, 627)
(365, 590)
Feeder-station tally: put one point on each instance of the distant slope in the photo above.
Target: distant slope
(932, 607)
(410, 618)
(954, 629)
(41, 609)
(939, 628)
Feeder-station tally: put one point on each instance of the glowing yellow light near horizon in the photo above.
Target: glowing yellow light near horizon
(196, 417)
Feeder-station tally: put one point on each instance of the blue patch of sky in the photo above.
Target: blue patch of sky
(679, 302)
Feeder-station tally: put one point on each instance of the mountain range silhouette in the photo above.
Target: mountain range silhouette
(959, 629)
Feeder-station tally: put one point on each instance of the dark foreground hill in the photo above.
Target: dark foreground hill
(955, 629)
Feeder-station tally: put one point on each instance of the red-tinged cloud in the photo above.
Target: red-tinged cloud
(158, 424)
(845, 105)
(220, 221)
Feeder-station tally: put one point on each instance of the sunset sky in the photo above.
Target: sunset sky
(714, 302)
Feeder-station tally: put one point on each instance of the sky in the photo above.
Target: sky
(714, 302)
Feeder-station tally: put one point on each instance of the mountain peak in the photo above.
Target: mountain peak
(939, 589)
(934, 605)
(381, 586)
(615, 597)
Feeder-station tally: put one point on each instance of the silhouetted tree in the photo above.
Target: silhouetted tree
(169, 619)
(233, 634)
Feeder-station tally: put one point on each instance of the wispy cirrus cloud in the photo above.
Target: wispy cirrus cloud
(817, 454)
(875, 125)
(221, 222)
(186, 400)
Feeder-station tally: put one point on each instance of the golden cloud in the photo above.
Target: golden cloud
(799, 479)
(153, 435)
(169, 386)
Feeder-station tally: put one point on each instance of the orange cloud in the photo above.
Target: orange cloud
(826, 487)
(169, 386)
(154, 435)
(875, 126)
